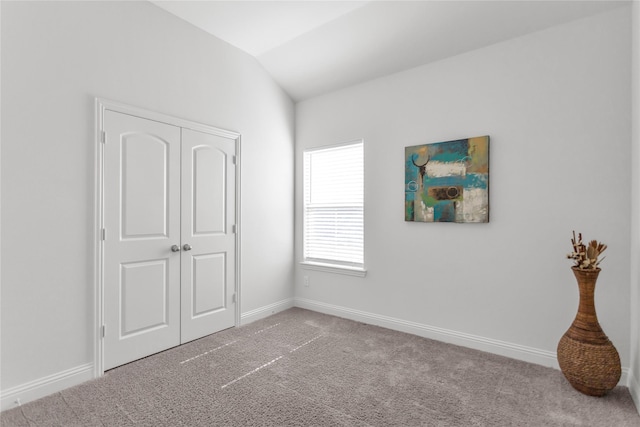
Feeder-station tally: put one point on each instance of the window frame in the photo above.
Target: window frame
(326, 265)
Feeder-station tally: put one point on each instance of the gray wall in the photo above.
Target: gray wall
(634, 384)
(557, 107)
(58, 56)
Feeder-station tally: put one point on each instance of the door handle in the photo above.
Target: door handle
(186, 247)
(175, 248)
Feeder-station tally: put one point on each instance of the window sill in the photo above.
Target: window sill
(334, 268)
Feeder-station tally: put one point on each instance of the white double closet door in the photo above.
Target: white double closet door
(169, 241)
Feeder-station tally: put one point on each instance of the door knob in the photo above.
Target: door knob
(175, 248)
(186, 247)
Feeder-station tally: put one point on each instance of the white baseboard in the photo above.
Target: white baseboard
(502, 348)
(634, 389)
(624, 378)
(267, 310)
(15, 396)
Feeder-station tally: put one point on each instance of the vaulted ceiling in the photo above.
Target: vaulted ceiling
(315, 47)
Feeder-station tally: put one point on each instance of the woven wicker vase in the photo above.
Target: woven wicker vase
(587, 358)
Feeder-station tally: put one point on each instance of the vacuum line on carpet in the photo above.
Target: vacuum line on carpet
(252, 372)
(271, 362)
(70, 407)
(207, 352)
(265, 329)
(307, 343)
(222, 346)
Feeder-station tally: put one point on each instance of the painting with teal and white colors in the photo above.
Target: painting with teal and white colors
(447, 181)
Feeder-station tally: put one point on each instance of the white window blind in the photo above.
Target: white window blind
(334, 205)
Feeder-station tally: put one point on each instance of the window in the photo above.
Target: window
(334, 208)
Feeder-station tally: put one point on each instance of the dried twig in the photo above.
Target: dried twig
(586, 257)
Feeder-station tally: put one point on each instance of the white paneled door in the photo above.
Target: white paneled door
(169, 243)
(208, 239)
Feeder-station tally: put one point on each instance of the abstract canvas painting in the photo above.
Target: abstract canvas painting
(447, 181)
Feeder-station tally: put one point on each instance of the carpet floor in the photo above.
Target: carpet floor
(302, 368)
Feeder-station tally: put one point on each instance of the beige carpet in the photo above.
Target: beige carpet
(301, 368)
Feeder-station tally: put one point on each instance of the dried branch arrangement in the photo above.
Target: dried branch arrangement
(585, 257)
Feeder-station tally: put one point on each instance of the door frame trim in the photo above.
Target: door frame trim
(102, 105)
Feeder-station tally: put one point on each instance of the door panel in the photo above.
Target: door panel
(208, 293)
(208, 192)
(208, 215)
(144, 185)
(142, 222)
(144, 295)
